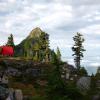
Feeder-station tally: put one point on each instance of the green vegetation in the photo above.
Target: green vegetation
(10, 41)
(78, 49)
(40, 70)
(59, 89)
(35, 46)
(82, 72)
(58, 54)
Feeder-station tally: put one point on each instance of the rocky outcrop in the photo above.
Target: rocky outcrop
(14, 95)
(3, 93)
(84, 84)
(18, 94)
(16, 68)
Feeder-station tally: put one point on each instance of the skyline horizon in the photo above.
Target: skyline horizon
(69, 61)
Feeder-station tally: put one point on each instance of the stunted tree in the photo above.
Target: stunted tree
(83, 72)
(57, 88)
(58, 54)
(98, 72)
(10, 41)
(54, 59)
(44, 46)
(36, 49)
(78, 49)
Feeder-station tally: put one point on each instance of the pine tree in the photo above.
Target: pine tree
(58, 54)
(78, 49)
(44, 46)
(57, 88)
(98, 72)
(36, 49)
(44, 40)
(54, 59)
(83, 72)
(10, 41)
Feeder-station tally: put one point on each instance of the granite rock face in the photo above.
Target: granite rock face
(18, 94)
(96, 97)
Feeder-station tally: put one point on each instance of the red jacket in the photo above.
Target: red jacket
(6, 51)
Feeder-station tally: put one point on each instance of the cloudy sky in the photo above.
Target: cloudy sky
(59, 18)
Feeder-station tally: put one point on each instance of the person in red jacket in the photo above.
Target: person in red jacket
(6, 51)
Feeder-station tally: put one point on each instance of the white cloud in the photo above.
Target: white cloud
(92, 45)
(8, 24)
(11, 1)
(60, 43)
(92, 29)
(70, 61)
(96, 64)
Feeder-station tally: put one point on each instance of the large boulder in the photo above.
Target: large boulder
(96, 97)
(83, 84)
(18, 94)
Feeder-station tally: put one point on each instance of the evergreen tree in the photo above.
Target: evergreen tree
(98, 70)
(44, 46)
(36, 49)
(10, 41)
(44, 40)
(57, 88)
(58, 54)
(78, 49)
(82, 72)
(27, 48)
(98, 73)
(53, 57)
